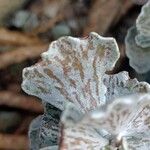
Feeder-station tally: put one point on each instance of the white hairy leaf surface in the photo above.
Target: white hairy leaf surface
(113, 124)
(138, 56)
(72, 70)
(75, 135)
(121, 84)
(126, 115)
(82, 137)
(138, 41)
(139, 141)
(50, 148)
(44, 130)
(143, 27)
(33, 133)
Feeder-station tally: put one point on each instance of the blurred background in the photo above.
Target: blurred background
(26, 29)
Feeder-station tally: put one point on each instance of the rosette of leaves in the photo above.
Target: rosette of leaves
(73, 71)
(44, 130)
(63, 76)
(117, 85)
(138, 41)
(123, 124)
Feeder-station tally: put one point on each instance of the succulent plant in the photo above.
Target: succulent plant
(44, 129)
(73, 71)
(143, 27)
(123, 124)
(138, 57)
(138, 41)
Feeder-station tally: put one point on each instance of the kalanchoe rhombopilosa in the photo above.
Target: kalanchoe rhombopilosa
(138, 41)
(124, 124)
(73, 70)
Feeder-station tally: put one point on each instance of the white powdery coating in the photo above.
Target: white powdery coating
(138, 56)
(138, 42)
(50, 148)
(117, 85)
(75, 136)
(139, 142)
(82, 138)
(124, 118)
(121, 84)
(33, 133)
(143, 27)
(44, 130)
(72, 70)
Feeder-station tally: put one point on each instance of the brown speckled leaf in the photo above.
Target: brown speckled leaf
(138, 56)
(72, 70)
(138, 142)
(112, 124)
(75, 135)
(121, 84)
(44, 130)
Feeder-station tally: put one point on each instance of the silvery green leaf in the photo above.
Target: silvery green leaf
(72, 70)
(50, 148)
(49, 128)
(112, 124)
(121, 84)
(138, 41)
(143, 27)
(138, 142)
(79, 136)
(71, 115)
(33, 133)
(138, 56)
(44, 129)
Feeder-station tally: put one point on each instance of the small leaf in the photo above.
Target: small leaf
(121, 84)
(72, 71)
(139, 142)
(138, 56)
(112, 124)
(138, 41)
(143, 27)
(44, 130)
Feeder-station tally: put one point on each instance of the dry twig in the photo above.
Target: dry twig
(21, 54)
(105, 13)
(20, 101)
(8, 37)
(13, 142)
